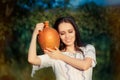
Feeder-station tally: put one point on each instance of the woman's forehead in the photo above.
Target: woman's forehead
(65, 26)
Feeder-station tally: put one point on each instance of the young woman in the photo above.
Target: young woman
(72, 61)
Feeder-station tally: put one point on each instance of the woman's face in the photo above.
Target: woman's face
(67, 33)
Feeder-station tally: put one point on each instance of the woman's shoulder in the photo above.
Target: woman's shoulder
(88, 47)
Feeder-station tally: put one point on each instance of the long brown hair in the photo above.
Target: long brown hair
(78, 43)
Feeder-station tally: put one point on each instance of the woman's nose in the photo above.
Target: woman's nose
(66, 35)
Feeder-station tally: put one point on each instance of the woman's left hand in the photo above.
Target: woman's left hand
(55, 54)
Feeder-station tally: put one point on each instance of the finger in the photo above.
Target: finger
(51, 50)
(56, 48)
(40, 26)
(46, 51)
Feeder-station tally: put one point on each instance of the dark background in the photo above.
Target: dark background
(99, 24)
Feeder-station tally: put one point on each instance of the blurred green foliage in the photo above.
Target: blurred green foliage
(16, 32)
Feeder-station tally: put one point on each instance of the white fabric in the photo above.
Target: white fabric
(65, 71)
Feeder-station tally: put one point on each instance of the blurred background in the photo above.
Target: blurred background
(98, 21)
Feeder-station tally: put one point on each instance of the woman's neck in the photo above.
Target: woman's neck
(70, 49)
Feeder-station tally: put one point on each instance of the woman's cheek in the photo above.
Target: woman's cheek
(62, 37)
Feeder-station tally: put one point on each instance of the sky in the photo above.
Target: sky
(73, 3)
(112, 2)
(99, 2)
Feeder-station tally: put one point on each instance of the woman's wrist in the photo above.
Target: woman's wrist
(34, 36)
(62, 56)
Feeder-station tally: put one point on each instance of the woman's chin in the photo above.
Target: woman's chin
(69, 44)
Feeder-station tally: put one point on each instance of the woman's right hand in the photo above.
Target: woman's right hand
(32, 53)
(39, 27)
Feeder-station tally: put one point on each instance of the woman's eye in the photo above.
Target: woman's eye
(70, 31)
(62, 33)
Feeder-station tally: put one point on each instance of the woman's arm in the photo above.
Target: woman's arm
(32, 54)
(82, 64)
(77, 63)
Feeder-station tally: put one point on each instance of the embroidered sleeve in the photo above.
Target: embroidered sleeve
(46, 61)
(90, 52)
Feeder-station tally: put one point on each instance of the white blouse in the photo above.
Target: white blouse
(64, 71)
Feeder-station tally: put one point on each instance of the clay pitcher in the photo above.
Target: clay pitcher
(48, 37)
